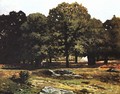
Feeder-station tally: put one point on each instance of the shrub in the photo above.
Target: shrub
(14, 77)
(21, 78)
(24, 76)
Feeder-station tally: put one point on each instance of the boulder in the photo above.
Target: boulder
(62, 72)
(52, 90)
(50, 73)
(77, 76)
(112, 70)
(86, 91)
(99, 86)
(58, 72)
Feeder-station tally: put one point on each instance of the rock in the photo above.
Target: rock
(78, 76)
(86, 82)
(86, 91)
(20, 89)
(62, 72)
(89, 77)
(99, 87)
(67, 74)
(58, 73)
(112, 70)
(50, 73)
(48, 90)
(52, 90)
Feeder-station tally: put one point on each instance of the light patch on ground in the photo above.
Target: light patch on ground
(84, 59)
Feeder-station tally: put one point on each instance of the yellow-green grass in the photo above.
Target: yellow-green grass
(39, 81)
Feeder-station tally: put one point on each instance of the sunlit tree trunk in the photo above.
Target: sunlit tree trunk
(50, 59)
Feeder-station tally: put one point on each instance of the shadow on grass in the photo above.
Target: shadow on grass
(6, 92)
(54, 65)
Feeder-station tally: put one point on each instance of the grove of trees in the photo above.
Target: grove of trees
(67, 30)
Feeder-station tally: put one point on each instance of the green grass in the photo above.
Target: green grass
(73, 81)
(39, 81)
(8, 85)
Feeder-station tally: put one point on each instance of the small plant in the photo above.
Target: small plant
(21, 78)
(14, 77)
(24, 76)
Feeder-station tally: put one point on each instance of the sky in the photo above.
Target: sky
(100, 9)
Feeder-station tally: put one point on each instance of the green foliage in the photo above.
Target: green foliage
(7, 86)
(112, 28)
(68, 30)
(66, 23)
(10, 34)
(94, 36)
(91, 41)
(34, 38)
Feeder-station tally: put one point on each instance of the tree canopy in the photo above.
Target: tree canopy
(112, 28)
(10, 34)
(68, 30)
(68, 21)
(34, 38)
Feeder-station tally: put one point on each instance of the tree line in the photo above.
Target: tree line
(67, 30)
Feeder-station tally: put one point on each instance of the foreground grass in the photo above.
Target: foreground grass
(93, 83)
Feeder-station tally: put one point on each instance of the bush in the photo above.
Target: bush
(21, 78)
(14, 77)
(24, 76)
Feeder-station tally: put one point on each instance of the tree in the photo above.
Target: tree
(112, 28)
(10, 34)
(34, 38)
(93, 39)
(67, 23)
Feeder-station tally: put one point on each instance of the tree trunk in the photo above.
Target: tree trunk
(66, 44)
(67, 61)
(50, 59)
(67, 56)
(37, 63)
(98, 57)
(91, 59)
(106, 59)
(23, 61)
(76, 58)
